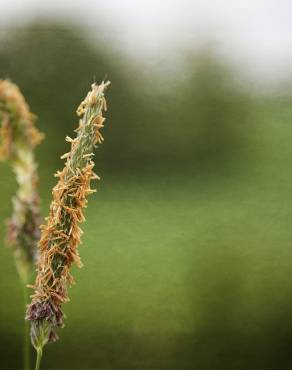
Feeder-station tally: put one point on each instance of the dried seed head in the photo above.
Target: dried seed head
(18, 138)
(61, 235)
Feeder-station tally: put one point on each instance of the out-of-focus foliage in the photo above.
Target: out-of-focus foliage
(212, 110)
(201, 116)
(54, 65)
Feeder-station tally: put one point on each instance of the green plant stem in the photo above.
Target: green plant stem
(26, 337)
(38, 359)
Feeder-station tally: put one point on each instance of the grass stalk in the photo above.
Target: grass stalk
(18, 139)
(61, 235)
(26, 340)
(38, 359)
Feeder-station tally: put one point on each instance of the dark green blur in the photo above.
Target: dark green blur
(188, 242)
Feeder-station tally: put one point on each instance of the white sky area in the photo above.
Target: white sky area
(255, 34)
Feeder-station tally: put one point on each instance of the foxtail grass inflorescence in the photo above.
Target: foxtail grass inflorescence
(60, 236)
(18, 138)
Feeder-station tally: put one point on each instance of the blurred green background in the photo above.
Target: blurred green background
(187, 243)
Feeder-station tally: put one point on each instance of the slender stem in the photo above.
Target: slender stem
(26, 341)
(38, 360)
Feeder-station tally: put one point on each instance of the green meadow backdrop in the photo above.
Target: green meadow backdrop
(187, 245)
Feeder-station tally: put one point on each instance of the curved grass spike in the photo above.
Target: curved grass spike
(61, 234)
(18, 138)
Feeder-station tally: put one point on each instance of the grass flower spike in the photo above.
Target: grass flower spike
(61, 234)
(18, 138)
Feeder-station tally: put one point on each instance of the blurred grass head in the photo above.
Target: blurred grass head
(18, 139)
